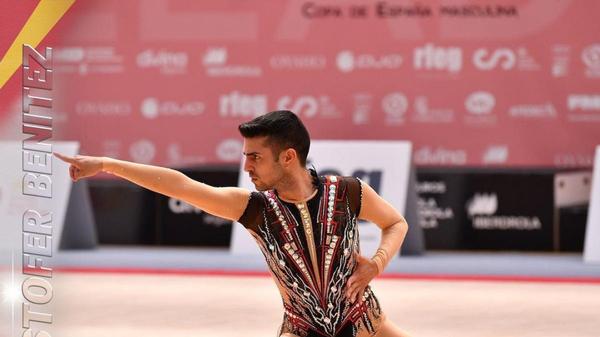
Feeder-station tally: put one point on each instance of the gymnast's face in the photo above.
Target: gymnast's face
(262, 165)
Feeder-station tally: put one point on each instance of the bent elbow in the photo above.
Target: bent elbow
(399, 228)
(402, 226)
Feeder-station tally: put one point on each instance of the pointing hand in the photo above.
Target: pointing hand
(81, 166)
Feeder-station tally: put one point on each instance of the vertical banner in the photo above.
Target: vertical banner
(591, 251)
(13, 198)
(385, 166)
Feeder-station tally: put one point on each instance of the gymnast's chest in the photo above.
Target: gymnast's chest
(309, 235)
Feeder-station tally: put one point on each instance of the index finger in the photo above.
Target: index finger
(67, 159)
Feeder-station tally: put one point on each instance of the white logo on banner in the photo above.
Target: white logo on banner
(546, 110)
(142, 151)
(103, 108)
(562, 59)
(88, 60)
(394, 105)
(583, 102)
(236, 104)
(309, 106)
(362, 108)
(167, 62)
(430, 57)
(430, 212)
(591, 58)
(300, 62)
(176, 157)
(174, 154)
(215, 57)
(573, 160)
(480, 102)
(152, 108)
(215, 62)
(482, 209)
(347, 61)
(586, 108)
(440, 156)
(149, 108)
(482, 204)
(503, 57)
(431, 187)
(68, 54)
(181, 207)
(495, 154)
(426, 114)
(229, 149)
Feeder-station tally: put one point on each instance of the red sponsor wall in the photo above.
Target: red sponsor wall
(470, 83)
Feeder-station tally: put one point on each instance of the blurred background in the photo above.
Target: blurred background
(497, 102)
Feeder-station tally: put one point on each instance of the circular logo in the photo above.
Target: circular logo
(591, 56)
(149, 108)
(229, 149)
(480, 102)
(345, 61)
(142, 151)
(144, 59)
(395, 104)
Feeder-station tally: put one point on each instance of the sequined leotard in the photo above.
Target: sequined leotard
(309, 249)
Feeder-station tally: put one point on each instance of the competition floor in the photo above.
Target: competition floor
(100, 305)
(115, 291)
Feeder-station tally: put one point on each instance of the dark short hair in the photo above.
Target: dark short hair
(284, 130)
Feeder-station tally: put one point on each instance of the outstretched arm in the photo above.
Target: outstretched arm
(225, 202)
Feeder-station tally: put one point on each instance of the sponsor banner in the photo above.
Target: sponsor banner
(506, 83)
(591, 251)
(484, 211)
(182, 224)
